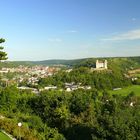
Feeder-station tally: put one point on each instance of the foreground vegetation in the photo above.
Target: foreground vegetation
(78, 115)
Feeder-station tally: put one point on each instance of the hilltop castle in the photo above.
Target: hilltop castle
(101, 64)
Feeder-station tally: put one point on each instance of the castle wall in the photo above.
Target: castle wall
(101, 64)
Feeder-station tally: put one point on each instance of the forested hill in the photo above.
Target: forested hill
(126, 62)
(89, 62)
(53, 62)
(59, 62)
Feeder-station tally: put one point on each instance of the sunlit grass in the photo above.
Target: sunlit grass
(127, 90)
(4, 137)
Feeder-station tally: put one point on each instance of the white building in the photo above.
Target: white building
(50, 87)
(101, 64)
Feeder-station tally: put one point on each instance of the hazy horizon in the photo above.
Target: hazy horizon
(73, 58)
(50, 29)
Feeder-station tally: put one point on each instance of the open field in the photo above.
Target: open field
(3, 136)
(137, 75)
(127, 90)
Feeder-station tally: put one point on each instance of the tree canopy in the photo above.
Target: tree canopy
(3, 55)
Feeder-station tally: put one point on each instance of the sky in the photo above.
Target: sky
(70, 29)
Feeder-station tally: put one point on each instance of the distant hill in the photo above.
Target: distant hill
(15, 63)
(58, 62)
(88, 62)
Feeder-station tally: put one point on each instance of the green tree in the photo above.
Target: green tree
(3, 55)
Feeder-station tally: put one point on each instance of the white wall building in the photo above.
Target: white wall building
(101, 64)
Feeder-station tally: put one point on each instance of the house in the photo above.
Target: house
(50, 87)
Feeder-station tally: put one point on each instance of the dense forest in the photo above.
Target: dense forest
(78, 115)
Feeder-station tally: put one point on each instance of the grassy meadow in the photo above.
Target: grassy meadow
(125, 91)
(3, 136)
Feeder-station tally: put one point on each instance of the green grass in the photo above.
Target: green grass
(137, 75)
(3, 136)
(127, 90)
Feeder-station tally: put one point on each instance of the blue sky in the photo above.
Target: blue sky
(69, 29)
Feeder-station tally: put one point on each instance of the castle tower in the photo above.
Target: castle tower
(97, 64)
(105, 64)
(101, 64)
